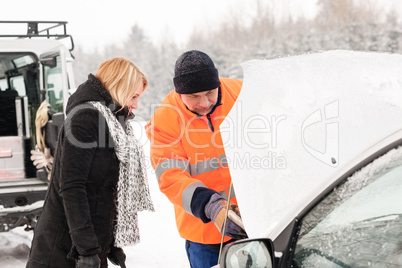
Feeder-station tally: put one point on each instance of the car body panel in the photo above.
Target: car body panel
(301, 122)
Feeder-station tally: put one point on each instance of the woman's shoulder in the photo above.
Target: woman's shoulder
(84, 122)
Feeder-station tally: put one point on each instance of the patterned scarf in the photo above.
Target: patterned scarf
(132, 188)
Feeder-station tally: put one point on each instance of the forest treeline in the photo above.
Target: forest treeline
(339, 24)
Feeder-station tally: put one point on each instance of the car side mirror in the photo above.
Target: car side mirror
(248, 253)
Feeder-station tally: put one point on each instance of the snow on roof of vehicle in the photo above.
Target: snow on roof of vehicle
(301, 119)
(34, 36)
(28, 45)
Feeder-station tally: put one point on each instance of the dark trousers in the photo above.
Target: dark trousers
(200, 255)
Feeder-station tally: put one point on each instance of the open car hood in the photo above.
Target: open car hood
(298, 120)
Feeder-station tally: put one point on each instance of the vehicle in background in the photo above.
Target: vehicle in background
(324, 187)
(35, 68)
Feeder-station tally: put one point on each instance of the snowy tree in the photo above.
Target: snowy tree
(251, 33)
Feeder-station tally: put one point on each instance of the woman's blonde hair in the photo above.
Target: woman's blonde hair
(121, 78)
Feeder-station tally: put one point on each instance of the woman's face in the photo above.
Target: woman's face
(132, 103)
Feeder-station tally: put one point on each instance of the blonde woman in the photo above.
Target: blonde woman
(98, 180)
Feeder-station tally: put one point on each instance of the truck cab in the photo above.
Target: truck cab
(35, 71)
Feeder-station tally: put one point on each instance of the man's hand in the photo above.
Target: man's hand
(215, 210)
(92, 261)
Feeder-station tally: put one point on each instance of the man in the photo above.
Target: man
(188, 156)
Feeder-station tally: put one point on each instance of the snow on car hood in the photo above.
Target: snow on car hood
(299, 119)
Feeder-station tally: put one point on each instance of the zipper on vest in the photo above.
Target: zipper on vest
(210, 123)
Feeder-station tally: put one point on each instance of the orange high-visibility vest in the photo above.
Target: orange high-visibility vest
(186, 153)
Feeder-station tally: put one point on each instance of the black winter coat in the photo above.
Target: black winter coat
(80, 205)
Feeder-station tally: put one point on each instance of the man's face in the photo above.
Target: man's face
(201, 102)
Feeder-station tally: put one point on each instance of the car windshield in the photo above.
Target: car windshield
(360, 223)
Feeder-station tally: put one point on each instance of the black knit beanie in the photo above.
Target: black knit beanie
(194, 72)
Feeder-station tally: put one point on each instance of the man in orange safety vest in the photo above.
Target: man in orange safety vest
(189, 159)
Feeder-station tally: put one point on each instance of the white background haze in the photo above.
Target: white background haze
(94, 24)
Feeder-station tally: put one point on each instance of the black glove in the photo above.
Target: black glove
(117, 257)
(92, 261)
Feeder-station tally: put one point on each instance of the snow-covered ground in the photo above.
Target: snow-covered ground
(160, 246)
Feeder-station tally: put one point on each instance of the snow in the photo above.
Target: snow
(14, 248)
(160, 246)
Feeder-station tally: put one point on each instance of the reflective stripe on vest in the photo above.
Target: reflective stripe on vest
(223, 160)
(204, 166)
(187, 195)
(171, 163)
(193, 170)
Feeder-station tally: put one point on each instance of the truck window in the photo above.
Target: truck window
(18, 84)
(3, 84)
(23, 61)
(54, 86)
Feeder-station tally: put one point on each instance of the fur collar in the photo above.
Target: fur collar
(93, 90)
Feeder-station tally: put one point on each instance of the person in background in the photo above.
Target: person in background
(90, 209)
(188, 155)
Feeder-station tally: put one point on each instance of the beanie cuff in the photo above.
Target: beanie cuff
(199, 81)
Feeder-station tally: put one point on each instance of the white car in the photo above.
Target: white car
(314, 148)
